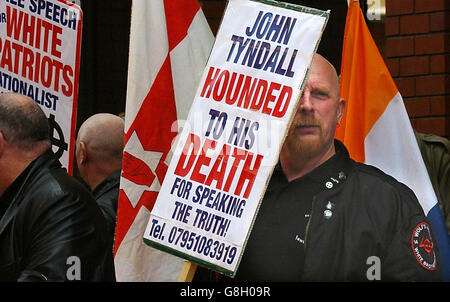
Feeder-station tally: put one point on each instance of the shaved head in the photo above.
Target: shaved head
(326, 69)
(24, 136)
(99, 147)
(22, 122)
(103, 135)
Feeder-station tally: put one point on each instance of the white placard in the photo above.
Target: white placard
(40, 43)
(236, 126)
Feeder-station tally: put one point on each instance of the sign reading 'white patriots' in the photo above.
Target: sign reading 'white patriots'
(40, 44)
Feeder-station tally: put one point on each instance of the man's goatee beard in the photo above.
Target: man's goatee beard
(304, 148)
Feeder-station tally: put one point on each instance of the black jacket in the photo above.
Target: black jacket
(106, 194)
(364, 225)
(372, 215)
(51, 228)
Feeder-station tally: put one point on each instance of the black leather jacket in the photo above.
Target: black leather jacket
(51, 228)
(373, 215)
(106, 194)
(365, 226)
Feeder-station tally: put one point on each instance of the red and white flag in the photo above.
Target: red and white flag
(376, 127)
(170, 42)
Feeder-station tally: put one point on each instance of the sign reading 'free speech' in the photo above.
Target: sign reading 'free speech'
(230, 144)
(40, 43)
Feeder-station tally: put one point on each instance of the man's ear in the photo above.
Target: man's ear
(83, 153)
(341, 109)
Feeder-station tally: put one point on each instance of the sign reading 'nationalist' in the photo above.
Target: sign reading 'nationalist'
(40, 43)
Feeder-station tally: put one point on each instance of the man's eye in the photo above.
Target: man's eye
(319, 94)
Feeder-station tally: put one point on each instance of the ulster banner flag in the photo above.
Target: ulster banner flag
(170, 42)
(376, 128)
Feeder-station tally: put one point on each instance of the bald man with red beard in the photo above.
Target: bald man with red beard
(325, 217)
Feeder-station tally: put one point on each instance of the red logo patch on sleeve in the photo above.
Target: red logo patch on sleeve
(422, 246)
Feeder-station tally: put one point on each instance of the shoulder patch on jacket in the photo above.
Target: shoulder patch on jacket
(423, 247)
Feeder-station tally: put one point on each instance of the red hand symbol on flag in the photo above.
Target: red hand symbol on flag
(136, 171)
(139, 170)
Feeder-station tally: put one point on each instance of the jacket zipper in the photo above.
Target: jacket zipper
(309, 221)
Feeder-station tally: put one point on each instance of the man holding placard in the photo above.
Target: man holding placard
(325, 217)
(317, 215)
(230, 142)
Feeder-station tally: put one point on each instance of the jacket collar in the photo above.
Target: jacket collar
(15, 192)
(331, 173)
(334, 171)
(109, 182)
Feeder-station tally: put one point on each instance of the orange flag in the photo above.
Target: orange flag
(376, 127)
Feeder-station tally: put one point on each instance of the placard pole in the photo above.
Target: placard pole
(187, 272)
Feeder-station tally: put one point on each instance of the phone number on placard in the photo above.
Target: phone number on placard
(202, 245)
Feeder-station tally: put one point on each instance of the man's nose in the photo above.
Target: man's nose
(305, 103)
